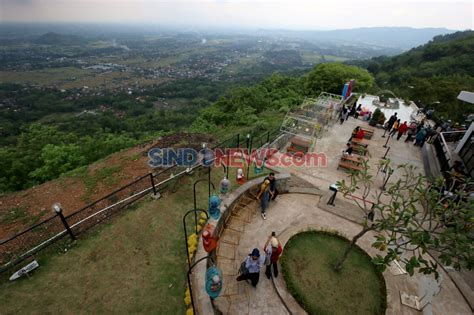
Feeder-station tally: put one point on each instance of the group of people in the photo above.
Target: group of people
(250, 267)
(354, 111)
(417, 133)
(357, 133)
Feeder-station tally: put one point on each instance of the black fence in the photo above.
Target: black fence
(39, 236)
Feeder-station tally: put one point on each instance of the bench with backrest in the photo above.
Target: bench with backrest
(368, 132)
(298, 145)
(360, 150)
(349, 166)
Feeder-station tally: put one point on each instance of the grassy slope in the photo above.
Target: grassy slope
(308, 262)
(126, 266)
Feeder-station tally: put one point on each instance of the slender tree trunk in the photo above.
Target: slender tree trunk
(349, 247)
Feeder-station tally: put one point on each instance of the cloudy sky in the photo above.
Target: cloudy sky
(288, 14)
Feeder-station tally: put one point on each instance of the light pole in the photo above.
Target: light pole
(59, 211)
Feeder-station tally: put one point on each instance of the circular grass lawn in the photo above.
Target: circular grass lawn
(308, 268)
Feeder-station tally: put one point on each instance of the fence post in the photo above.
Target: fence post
(59, 211)
(238, 141)
(249, 154)
(385, 156)
(268, 137)
(153, 184)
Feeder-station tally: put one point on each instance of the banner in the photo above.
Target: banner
(344, 91)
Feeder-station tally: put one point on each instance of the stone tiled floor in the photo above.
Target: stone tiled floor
(290, 214)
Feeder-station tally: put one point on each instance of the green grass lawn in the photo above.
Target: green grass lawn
(307, 264)
(135, 263)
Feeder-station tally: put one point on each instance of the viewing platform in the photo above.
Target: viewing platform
(303, 206)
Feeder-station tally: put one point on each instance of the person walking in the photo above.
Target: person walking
(401, 130)
(344, 115)
(273, 251)
(420, 137)
(250, 268)
(391, 121)
(353, 110)
(411, 132)
(264, 197)
(273, 189)
(395, 127)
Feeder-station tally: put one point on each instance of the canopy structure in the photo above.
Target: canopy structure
(309, 120)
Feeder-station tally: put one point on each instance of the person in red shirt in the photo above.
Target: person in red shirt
(402, 129)
(273, 250)
(360, 134)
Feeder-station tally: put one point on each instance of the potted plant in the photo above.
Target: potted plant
(377, 117)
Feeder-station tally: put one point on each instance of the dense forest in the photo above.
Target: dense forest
(432, 74)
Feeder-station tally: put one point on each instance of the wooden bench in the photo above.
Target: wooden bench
(361, 142)
(360, 150)
(355, 158)
(368, 132)
(298, 145)
(349, 166)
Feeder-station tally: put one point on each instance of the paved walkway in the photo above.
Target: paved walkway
(290, 214)
(333, 142)
(293, 212)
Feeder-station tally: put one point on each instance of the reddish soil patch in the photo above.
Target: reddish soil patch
(73, 193)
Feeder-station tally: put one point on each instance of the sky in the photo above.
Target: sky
(272, 14)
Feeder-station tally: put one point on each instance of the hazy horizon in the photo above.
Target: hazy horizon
(233, 14)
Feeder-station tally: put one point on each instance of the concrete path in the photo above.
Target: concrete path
(333, 142)
(290, 214)
(296, 212)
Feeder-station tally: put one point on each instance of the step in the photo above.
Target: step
(230, 236)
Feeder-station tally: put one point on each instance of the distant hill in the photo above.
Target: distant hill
(432, 73)
(394, 37)
(451, 54)
(52, 38)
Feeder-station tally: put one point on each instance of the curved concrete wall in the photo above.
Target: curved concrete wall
(202, 301)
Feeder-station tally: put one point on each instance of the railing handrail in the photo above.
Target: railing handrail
(118, 190)
(27, 230)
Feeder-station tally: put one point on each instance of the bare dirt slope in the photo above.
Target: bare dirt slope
(78, 188)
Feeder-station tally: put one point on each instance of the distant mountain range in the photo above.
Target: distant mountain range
(394, 37)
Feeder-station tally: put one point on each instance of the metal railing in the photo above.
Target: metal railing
(443, 150)
(39, 236)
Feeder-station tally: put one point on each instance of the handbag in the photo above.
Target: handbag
(267, 260)
(243, 270)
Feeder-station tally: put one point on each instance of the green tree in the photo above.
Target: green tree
(331, 77)
(58, 159)
(413, 216)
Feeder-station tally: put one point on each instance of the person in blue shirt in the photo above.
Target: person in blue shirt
(253, 263)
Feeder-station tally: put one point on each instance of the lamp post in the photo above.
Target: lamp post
(59, 211)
